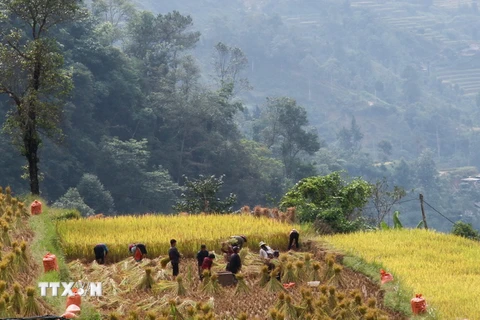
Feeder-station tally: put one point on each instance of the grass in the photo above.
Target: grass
(46, 239)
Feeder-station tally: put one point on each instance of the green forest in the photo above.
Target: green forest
(139, 98)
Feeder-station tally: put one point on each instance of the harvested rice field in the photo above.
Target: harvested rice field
(126, 294)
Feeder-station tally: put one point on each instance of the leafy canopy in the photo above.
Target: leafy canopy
(201, 195)
(330, 200)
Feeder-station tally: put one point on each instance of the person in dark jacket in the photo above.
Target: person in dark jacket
(101, 252)
(174, 256)
(294, 235)
(235, 264)
(201, 255)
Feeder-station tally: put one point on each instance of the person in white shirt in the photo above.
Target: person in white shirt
(265, 251)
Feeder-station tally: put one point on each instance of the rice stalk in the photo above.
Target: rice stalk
(31, 306)
(147, 280)
(17, 299)
(181, 291)
(299, 270)
(3, 286)
(289, 274)
(265, 277)
(273, 284)
(174, 310)
(288, 308)
(337, 279)
(3, 308)
(5, 273)
(315, 275)
(212, 287)
(164, 262)
(242, 287)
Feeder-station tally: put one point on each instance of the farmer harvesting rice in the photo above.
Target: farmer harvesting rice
(174, 256)
(139, 251)
(235, 263)
(207, 264)
(294, 235)
(265, 251)
(201, 255)
(101, 252)
(238, 241)
(227, 249)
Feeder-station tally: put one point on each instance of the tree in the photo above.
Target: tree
(94, 194)
(32, 74)
(329, 200)
(229, 62)
(73, 200)
(383, 200)
(113, 11)
(201, 195)
(385, 147)
(286, 133)
(123, 167)
(349, 139)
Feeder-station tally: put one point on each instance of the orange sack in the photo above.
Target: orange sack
(50, 262)
(36, 207)
(419, 305)
(386, 277)
(76, 299)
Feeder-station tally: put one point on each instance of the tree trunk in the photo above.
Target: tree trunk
(31, 139)
(31, 143)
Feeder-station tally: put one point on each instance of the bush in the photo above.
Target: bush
(69, 214)
(94, 194)
(465, 230)
(72, 200)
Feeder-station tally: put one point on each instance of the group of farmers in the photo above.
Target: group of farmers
(230, 248)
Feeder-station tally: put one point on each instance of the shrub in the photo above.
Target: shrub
(465, 230)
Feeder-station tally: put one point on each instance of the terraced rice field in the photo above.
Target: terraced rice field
(451, 4)
(442, 267)
(467, 79)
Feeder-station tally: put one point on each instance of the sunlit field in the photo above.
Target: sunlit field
(444, 268)
(80, 236)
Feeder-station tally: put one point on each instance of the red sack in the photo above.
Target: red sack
(76, 299)
(36, 207)
(50, 262)
(419, 305)
(386, 277)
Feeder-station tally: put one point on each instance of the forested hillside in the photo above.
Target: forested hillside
(265, 93)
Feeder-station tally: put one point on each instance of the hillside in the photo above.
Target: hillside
(349, 58)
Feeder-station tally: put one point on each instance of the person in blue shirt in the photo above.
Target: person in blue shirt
(101, 252)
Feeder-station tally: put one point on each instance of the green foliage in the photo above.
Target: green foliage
(126, 172)
(286, 133)
(68, 214)
(94, 194)
(33, 74)
(465, 230)
(396, 220)
(201, 195)
(329, 199)
(73, 200)
(384, 199)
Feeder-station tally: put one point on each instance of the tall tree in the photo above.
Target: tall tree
(229, 62)
(286, 131)
(32, 73)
